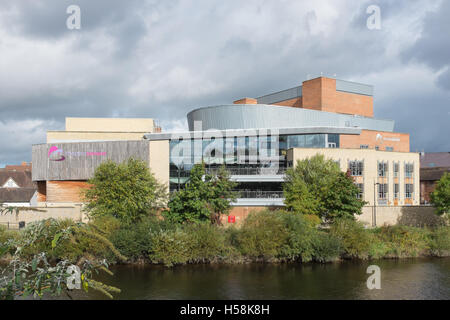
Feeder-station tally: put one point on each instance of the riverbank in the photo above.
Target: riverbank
(269, 237)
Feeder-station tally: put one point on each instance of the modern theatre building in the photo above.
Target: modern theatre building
(255, 138)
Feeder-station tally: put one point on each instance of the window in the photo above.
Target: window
(396, 191)
(409, 190)
(382, 169)
(10, 184)
(364, 146)
(396, 169)
(356, 168)
(382, 191)
(377, 148)
(389, 149)
(409, 170)
(360, 195)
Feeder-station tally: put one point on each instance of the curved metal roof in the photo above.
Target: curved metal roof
(247, 116)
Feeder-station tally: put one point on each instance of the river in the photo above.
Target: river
(400, 279)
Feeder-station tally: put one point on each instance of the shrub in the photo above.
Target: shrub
(440, 242)
(404, 241)
(327, 248)
(355, 239)
(262, 235)
(170, 247)
(106, 225)
(64, 239)
(206, 241)
(301, 235)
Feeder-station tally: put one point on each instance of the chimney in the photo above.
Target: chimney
(246, 101)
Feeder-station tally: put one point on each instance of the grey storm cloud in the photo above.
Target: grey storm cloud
(160, 59)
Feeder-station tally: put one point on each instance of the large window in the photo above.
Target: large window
(409, 190)
(396, 191)
(360, 186)
(396, 169)
(409, 170)
(382, 191)
(356, 168)
(383, 169)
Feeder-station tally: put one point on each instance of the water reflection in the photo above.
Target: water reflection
(400, 279)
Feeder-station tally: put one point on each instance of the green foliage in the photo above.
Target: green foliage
(440, 242)
(127, 191)
(64, 239)
(134, 240)
(207, 242)
(440, 197)
(36, 276)
(205, 197)
(170, 247)
(317, 186)
(327, 248)
(404, 241)
(355, 239)
(262, 235)
(301, 236)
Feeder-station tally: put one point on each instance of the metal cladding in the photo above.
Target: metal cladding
(249, 116)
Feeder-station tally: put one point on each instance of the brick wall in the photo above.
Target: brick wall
(376, 138)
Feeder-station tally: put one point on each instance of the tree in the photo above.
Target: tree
(205, 197)
(222, 194)
(440, 197)
(317, 186)
(127, 191)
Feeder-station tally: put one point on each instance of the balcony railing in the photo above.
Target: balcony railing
(259, 194)
(250, 171)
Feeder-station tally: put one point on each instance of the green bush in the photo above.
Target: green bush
(440, 242)
(6, 234)
(404, 241)
(106, 225)
(300, 238)
(64, 239)
(170, 247)
(262, 235)
(355, 239)
(207, 242)
(327, 248)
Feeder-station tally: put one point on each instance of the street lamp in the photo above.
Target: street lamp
(374, 217)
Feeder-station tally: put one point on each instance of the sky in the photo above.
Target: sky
(161, 59)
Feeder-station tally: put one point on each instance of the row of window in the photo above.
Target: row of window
(247, 149)
(366, 146)
(357, 169)
(383, 191)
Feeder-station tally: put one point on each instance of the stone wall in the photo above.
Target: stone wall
(41, 213)
(404, 215)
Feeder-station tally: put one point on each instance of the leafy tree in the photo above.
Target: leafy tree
(440, 197)
(317, 186)
(127, 191)
(205, 197)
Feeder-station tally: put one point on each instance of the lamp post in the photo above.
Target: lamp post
(374, 218)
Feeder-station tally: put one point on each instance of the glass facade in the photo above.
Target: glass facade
(241, 155)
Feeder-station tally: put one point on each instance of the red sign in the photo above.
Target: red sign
(231, 219)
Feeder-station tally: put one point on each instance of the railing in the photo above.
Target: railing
(13, 225)
(260, 194)
(250, 171)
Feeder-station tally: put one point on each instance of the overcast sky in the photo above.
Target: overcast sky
(160, 59)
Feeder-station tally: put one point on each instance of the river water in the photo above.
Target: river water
(400, 279)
